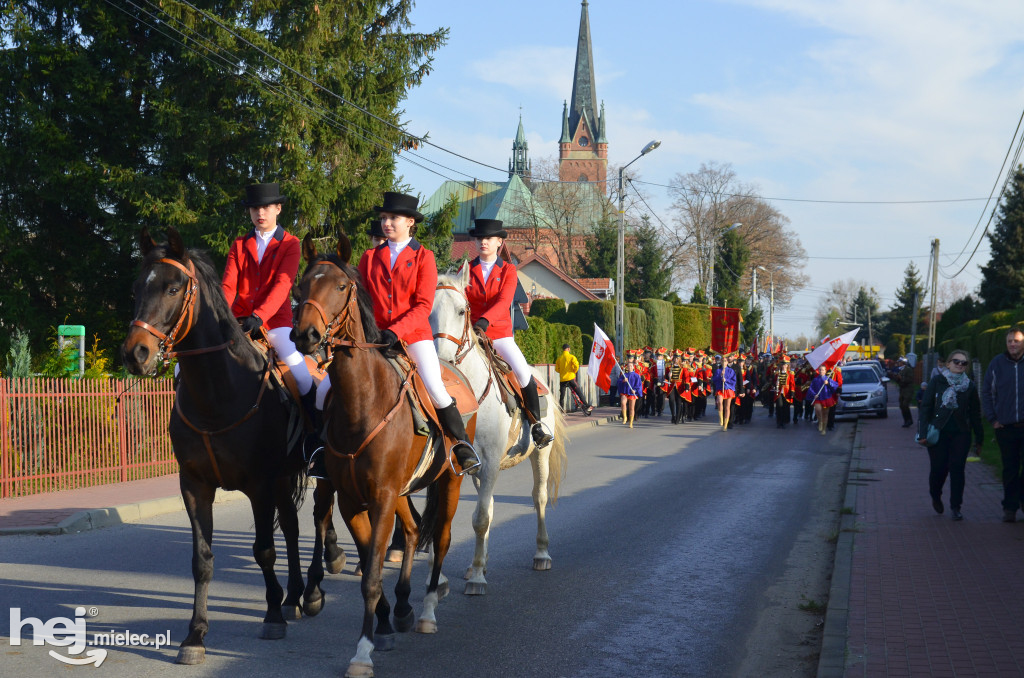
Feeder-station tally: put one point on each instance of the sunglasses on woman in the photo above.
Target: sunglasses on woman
(961, 363)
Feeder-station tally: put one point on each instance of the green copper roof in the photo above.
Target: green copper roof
(474, 197)
(601, 138)
(514, 205)
(566, 139)
(520, 141)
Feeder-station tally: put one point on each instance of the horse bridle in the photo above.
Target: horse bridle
(463, 343)
(336, 331)
(186, 319)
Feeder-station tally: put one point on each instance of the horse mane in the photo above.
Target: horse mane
(449, 278)
(211, 293)
(370, 330)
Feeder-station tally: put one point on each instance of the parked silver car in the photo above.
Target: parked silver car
(863, 392)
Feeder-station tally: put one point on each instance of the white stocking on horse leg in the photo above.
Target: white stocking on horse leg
(361, 666)
(477, 583)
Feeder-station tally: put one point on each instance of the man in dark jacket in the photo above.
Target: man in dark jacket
(1002, 402)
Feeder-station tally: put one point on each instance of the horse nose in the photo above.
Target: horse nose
(135, 357)
(291, 335)
(306, 341)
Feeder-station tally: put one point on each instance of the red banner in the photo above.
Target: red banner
(725, 329)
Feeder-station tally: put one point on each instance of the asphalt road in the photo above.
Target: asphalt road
(664, 543)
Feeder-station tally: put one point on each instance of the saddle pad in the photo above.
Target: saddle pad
(457, 385)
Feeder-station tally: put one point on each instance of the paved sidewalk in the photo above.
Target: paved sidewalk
(913, 593)
(94, 507)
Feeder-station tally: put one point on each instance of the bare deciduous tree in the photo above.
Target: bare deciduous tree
(708, 201)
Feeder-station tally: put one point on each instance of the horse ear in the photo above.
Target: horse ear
(344, 246)
(464, 274)
(146, 242)
(308, 248)
(174, 243)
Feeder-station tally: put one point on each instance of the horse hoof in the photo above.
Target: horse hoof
(337, 565)
(359, 670)
(312, 608)
(191, 655)
(359, 571)
(475, 588)
(291, 612)
(405, 624)
(273, 631)
(426, 626)
(395, 556)
(541, 564)
(383, 642)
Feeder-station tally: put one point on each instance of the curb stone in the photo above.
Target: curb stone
(832, 660)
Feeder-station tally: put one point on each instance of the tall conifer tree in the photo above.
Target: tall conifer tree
(1002, 281)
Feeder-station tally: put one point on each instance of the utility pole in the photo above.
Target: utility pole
(935, 285)
(871, 337)
(753, 287)
(913, 330)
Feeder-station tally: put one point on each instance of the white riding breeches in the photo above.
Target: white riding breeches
(424, 354)
(290, 356)
(510, 352)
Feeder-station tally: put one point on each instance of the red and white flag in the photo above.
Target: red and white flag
(602, 360)
(831, 351)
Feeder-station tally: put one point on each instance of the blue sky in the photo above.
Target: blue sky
(843, 100)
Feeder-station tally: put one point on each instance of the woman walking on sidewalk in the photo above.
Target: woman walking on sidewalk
(950, 411)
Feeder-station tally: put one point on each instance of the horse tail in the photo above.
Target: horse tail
(430, 517)
(557, 459)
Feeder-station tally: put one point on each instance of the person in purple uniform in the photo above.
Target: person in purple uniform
(631, 388)
(724, 382)
(823, 392)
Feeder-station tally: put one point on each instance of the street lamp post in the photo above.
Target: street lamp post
(620, 267)
(714, 253)
(771, 302)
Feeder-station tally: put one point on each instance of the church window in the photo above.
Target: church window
(584, 141)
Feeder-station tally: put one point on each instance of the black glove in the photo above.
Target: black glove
(481, 325)
(251, 323)
(390, 339)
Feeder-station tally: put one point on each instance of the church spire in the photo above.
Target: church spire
(584, 94)
(520, 162)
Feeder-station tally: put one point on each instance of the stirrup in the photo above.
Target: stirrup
(545, 437)
(468, 468)
(315, 466)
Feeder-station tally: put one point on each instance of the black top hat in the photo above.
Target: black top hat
(487, 228)
(402, 204)
(376, 230)
(257, 195)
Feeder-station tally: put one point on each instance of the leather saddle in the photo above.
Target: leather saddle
(508, 384)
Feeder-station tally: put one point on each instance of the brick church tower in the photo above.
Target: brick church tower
(583, 147)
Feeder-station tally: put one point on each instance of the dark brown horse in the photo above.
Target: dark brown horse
(372, 449)
(229, 426)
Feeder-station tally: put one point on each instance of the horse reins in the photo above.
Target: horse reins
(465, 345)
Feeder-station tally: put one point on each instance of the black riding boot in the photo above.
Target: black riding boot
(531, 399)
(451, 420)
(313, 443)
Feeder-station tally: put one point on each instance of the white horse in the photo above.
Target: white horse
(502, 440)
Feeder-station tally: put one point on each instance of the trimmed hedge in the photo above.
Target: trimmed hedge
(660, 322)
(588, 343)
(635, 329)
(546, 308)
(542, 343)
(533, 342)
(692, 326)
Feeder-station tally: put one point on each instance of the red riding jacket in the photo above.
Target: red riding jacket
(492, 300)
(262, 287)
(403, 295)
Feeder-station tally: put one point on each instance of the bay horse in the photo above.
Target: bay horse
(502, 439)
(228, 428)
(372, 451)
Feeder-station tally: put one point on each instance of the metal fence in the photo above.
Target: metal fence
(587, 386)
(63, 434)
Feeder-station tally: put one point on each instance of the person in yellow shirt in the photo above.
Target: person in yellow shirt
(567, 366)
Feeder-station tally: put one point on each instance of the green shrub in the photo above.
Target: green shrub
(559, 334)
(534, 341)
(583, 314)
(660, 322)
(635, 328)
(588, 343)
(691, 326)
(546, 308)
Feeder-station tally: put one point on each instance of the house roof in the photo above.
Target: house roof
(473, 197)
(595, 283)
(541, 261)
